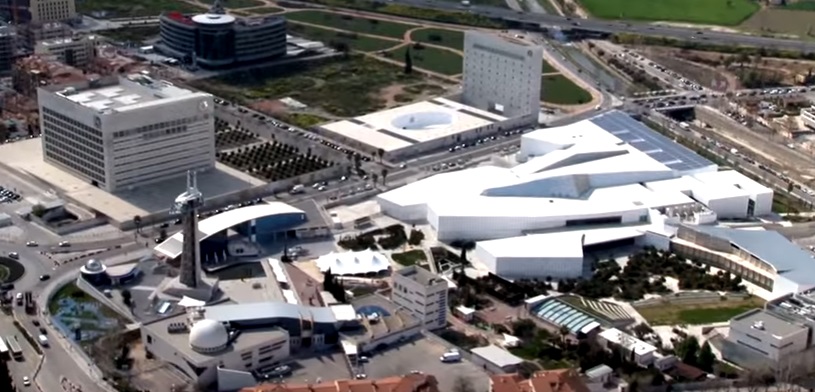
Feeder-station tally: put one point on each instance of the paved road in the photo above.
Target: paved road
(603, 26)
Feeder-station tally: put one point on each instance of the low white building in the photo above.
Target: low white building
(423, 294)
(77, 52)
(643, 353)
(768, 335)
(496, 359)
(808, 116)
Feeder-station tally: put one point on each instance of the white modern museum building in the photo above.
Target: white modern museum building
(605, 179)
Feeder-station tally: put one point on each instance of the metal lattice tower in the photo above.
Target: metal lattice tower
(187, 205)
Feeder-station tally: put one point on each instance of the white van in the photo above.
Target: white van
(43, 340)
(450, 356)
(297, 189)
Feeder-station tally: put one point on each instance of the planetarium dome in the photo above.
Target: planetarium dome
(93, 266)
(207, 336)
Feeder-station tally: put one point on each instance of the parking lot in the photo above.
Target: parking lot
(423, 355)
(325, 366)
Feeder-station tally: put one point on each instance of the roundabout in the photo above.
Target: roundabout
(10, 270)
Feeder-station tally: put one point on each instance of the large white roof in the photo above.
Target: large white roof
(561, 244)
(353, 263)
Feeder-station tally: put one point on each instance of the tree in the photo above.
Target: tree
(127, 297)
(328, 280)
(706, 358)
(384, 174)
(408, 62)
(462, 384)
(6, 382)
(687, 350)
(380, 153)
(38, 210)
(374, 178)
(137, 223)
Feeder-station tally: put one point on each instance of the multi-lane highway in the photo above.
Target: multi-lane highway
(611, 27)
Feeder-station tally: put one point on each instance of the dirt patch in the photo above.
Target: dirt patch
(151, 374)
(269, 106)
(773, 21)
(716, 78)
(389, 93)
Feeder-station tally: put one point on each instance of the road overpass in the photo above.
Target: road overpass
(534, 21)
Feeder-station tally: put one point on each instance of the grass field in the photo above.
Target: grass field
(491, 3)
(265, 10)
(547, 68)
(411, 257)
(349, 23)
(4, 273)
(802, 5)
(431, 59)
(713, 12)
(134, 8)
(346, 88)
(693, 314)
(559, 90)
(235, 4)
(781, 21)
(449, 38)
(354, 41)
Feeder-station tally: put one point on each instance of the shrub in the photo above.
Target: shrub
(416, 237)
(395, 237)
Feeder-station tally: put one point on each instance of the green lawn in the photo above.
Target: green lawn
(235, 4)
(695, 314)
(343, 87)
(450, 38)
(4, 273)
(124, 9)
(713, 12)
(351, 23)
(559, 90)
(491, 3)
(302, 120)
(132, 34)
(801, 5)
(265, 10)
(548, 68)
(411, 257)
(431, 59)
(354, 41)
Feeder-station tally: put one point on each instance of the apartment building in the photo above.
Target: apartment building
(406, 383)
(123, 132)
(44, 11)
(8, 39)
(423, 294)
(767, 335)
(557, 380)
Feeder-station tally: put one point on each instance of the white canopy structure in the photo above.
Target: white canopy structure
(188, 302)
(353, 263)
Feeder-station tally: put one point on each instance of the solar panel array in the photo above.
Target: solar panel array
(657, 146)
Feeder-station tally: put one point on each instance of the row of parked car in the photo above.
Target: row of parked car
(8, 195)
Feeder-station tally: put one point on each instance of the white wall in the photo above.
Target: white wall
(768, 344)
(763, 203)
(659, 241)
(539, 267)
(728, 207)
(409, 213)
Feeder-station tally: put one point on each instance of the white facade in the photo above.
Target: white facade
(501, 76)
(423, 294)
(642, 352)
(768, 335)
(131, 133)
(44, 11)
(808, 116)
(76, 52)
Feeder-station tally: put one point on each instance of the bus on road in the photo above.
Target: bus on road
(14, 347)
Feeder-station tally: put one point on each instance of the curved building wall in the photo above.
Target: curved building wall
(258, 40)
(215, 45)
(178, 34)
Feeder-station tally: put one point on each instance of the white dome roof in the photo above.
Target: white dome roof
(94, 265)
(208, 335)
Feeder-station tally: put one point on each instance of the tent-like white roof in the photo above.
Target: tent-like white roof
(353, 263)
(188, 302)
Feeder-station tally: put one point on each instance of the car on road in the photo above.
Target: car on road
(31, 243)
(35, 322)
(14, 255)
(26, 381)
(64, 244)
(45, 277)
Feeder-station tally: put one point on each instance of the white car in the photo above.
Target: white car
(26, 381)
(31, 243)
(64, 244)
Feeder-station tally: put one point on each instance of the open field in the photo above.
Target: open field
(781, 21)
(712, 12)
(264, 10)
(450, 38)
(135, 8)
(351, 23)
(431, 59)
(559, 90)
(331, 37)
(235, 4)
(714, 312)
(343, 87)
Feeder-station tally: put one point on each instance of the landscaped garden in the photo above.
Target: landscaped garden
(132, 9)
(411, 257)
(301, 120)
(443, 37)
(78, 314)
(429, 58)
(273, 161)
(696, 313)
(547, 68)
(711, 12)
(391, 237)
(10, 270)
(559, 90)
(333, 38)
(351, 23)
(137, 34)
(344, 87)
